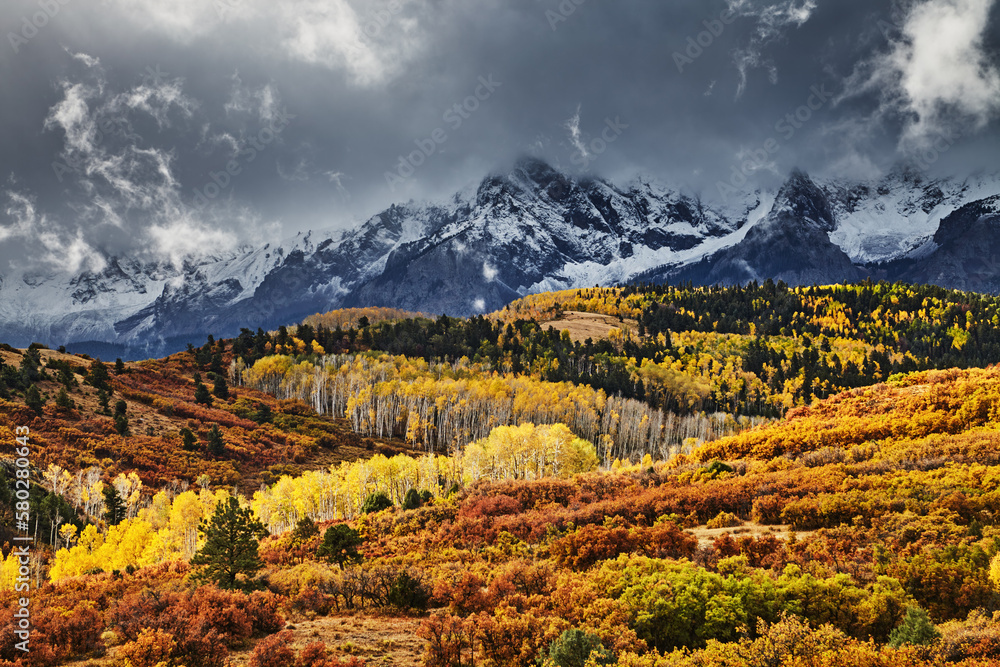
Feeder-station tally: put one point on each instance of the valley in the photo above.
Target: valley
(770, 523)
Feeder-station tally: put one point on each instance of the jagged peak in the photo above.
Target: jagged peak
(530, 178)
(802, 198)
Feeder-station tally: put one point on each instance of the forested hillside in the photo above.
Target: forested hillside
(756, 475)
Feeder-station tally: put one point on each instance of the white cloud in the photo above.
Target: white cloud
(71, 255)
(180, 239)
(771, 23)
(72, 115)
(261, 102)
(575, 136)
(184, 20)
(60, 248)
(87, 60)
(21, 210)
(479, 305)
(128, 183)
(371, 41)
(489, 272)
(329, 33)
(938, 77)
(337, 179)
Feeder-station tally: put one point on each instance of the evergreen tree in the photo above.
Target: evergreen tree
(66, 377)
(119, 366)
(114, 508)
(189, 440)
(33, 399)
(376, 502)
(221, 389)
(201, 393)
(121, 419)
(412, 500)
(229, 557)
(216, 445)
(30, 363)
(263, 415)
(63, 401)
(216, 366)
(916, 628)
(102, 400)
(304, 531)
(99, 378)
(340, 545)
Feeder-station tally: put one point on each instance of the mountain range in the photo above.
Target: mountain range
(532, 229)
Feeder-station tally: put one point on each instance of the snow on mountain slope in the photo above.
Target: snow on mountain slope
(885, 219)
(528, 230)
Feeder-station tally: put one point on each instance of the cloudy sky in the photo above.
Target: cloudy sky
(174, 127)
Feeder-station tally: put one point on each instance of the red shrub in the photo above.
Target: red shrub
(490, 506)
(273, 651)
(262, 610)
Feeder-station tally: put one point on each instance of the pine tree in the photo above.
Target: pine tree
(412, 500)
(201, 393)
(33, 399)
(121, 425)
(340, 544)
(99, 378)
(263, 415)
(220, 389)
(102, 400)
(63, 401)
(114, 508)
(304, 531)
(119, 366)
(232, 538)
(216, 445)
(121, 418)
(189, 440)
(217, 365)
(376, 502)
(30, 363)
(916, 628)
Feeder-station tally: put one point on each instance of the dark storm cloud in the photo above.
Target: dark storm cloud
(196, 125)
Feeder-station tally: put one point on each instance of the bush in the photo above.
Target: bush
(724, 520)
(408, 592)
(262, 610)
(311, 601)
(716, 468)
(376, 502)
(412, 500)
(273, 651)
(152, 648)
(576, 648)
